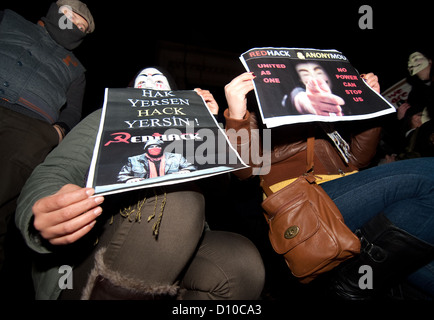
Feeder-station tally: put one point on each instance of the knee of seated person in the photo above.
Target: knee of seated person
(229, 267)
(248, 271)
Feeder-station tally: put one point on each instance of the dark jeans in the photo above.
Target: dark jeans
(403, 191)
(25, 143)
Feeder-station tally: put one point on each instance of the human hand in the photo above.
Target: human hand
(209, 100)
(372, 81)
(68, 215)
(318, 99)
(416, 120)
(235, 92)
(402, 109)
(390, 158)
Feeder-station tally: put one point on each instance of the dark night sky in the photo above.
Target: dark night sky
(128, 32)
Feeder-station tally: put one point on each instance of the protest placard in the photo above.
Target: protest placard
(291, 84)
(150, 138)
(398, 93)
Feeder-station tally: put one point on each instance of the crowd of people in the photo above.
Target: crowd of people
(196, 255)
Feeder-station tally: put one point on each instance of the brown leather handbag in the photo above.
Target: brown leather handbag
(307, 228)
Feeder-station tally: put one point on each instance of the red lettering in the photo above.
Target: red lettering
(349, 84)
(353, 91)
(346, 77)
(272, 65)
(271, 80)
(258, 53)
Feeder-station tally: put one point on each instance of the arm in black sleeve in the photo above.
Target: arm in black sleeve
(71, 113)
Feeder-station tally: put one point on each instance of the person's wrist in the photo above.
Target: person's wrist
(238, 115)
(60, 131)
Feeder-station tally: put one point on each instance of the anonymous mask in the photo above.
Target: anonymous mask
(151, 78)
(416, 63)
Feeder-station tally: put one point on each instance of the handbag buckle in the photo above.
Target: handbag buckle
(291, 232)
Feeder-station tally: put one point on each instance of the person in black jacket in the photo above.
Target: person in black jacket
(42, 85)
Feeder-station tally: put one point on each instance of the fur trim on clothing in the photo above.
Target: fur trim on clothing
(120, 280)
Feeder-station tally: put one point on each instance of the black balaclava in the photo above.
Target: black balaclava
(69, 38)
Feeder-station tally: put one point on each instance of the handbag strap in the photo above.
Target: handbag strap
(310, 146)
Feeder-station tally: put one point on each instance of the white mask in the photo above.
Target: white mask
(151, 78)
(416, 63)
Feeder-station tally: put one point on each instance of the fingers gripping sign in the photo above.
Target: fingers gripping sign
(67, 215)
(209, 100)
(236, 92)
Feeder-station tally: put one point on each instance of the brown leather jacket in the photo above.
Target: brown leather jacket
(287, 156)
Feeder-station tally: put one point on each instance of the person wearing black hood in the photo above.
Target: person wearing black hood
(42, 85)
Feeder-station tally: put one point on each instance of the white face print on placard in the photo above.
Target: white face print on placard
(151, 78)
(311, 70)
